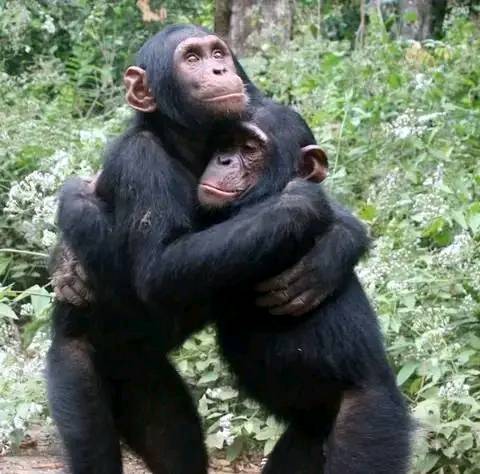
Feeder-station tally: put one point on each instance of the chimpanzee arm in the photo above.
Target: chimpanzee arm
(86, 226)
(321, 271)
(255, 243)
(145, 209)
(154, 217)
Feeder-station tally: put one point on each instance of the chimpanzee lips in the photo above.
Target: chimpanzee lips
(220, 98)
(209, 189)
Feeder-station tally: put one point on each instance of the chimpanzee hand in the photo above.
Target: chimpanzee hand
(69, 280)
(320, 272)
(297, 290)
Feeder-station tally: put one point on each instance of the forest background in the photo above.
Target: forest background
(391, 89)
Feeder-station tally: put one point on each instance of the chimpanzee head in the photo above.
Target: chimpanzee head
(189, 75)
(254, 160)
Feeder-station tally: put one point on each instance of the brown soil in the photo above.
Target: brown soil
(48, 464)
(40, 453)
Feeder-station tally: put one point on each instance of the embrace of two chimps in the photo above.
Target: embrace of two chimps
(208, 210)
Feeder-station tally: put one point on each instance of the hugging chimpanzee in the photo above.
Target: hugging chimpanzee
(108, 374)
(325, 374)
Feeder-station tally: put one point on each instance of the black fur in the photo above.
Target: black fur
(326, 374)
(108, 375)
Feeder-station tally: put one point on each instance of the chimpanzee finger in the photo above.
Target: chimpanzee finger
(80, 272)
(89, 297)
(62, 278)
(80, 288)
(284, 279)
(284, 295)
(84, 293)
(69, 296)
(300, 305)
(58, 294)
(309, 305)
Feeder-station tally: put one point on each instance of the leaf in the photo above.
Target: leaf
(31, 329)
(410, 16)
(7, 312)
(406, 372)
(40, 301)
(215, 440)
(208, 377)
(227, 393)
(234, 450)
(427, 463)
(368, 212)
(268, 447)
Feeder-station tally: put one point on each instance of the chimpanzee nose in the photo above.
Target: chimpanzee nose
(224, 160)
(219, 70)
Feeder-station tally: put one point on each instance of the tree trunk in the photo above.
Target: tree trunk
(223, 12)
(254, 22)
(421, 19)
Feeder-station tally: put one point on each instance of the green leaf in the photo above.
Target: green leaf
(268, 447)
(208, 377)
(368, 212)
(215, 440)
(426, 464)
(410, 16)
(406, 372)
(234, 450)
(7, 312)
(40, 300)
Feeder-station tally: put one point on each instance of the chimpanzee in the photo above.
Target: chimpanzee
(108, 375)
(325, 374)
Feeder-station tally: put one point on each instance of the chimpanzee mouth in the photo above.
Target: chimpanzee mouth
(221, 98)
(208, 188)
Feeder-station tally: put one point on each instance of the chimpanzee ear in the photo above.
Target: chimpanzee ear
(138, 95)
(313, 164)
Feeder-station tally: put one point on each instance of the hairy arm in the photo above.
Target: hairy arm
(321, 271)
(253, 244)
(151, 223)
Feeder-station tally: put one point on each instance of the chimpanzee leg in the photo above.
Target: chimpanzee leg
(80, 406)
(300, 450)
(158, 420)
(371, 434)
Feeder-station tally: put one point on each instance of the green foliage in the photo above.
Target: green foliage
(400, 122)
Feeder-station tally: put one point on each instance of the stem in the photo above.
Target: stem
(340, 135)
(360, 35)
(25, 252)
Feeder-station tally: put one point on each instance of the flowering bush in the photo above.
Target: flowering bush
(401, 123)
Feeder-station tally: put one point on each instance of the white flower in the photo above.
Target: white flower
(459, 251)
(421, 81)
(454, 389)
(406, 125)
(48, 25)
(93, 135)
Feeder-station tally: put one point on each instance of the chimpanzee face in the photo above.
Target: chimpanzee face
(193, 80)
(206, 73)
(241, 160)
(235, 167)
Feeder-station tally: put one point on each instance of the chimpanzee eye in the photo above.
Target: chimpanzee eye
(218, 54)
(250, 146)
(192, 58)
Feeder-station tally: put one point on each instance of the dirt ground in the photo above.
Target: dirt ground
(47, 464)
(40, 453)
